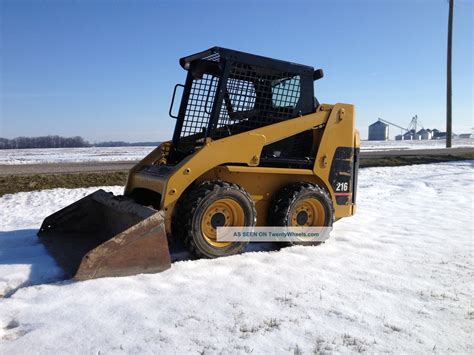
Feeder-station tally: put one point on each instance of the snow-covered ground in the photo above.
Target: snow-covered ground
(72, 155)
(397, 277)
(97, 154)
(421, 144)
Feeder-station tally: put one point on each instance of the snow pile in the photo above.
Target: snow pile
(395, 277)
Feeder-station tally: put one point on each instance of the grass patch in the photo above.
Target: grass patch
(17, 183)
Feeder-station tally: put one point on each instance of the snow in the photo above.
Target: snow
(396, 277)
(420, 144)
(101, 154)
(72, 155)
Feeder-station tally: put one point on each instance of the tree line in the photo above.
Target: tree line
(43, 142)
(62, 142)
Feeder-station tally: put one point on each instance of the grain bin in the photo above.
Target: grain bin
(378, 131)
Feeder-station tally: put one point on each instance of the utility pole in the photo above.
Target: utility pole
(449, 94)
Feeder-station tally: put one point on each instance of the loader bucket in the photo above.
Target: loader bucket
(104, 235)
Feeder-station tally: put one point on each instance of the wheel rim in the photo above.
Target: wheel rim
(225, 212)
(308, 212)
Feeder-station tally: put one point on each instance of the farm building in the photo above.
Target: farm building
(424, 134)
(378, 131)
(410, 136)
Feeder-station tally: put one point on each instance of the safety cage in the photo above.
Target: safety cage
(229, 92)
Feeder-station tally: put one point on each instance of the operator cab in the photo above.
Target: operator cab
(229, 92)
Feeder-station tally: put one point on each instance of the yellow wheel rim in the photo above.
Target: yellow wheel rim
(308, 213)
(225, 212)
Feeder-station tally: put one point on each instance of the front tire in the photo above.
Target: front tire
(208, 206)
(302, 205)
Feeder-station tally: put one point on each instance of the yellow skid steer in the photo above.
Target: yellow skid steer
(252, 146)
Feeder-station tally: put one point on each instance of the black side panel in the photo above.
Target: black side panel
(356, 174)
(341, 175)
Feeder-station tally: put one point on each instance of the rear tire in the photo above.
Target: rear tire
(208, 206)
(302, 204)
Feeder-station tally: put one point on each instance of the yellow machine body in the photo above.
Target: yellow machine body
(333, 127)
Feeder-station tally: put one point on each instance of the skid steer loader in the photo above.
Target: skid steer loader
(252, 146)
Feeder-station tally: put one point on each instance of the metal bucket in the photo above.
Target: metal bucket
(104, 235)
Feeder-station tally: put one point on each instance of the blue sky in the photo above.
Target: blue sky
(105, 69)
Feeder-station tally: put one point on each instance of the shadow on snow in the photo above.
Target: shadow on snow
(23, 247)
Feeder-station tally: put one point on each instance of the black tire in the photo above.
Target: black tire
(191, 209)
(281, 209)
